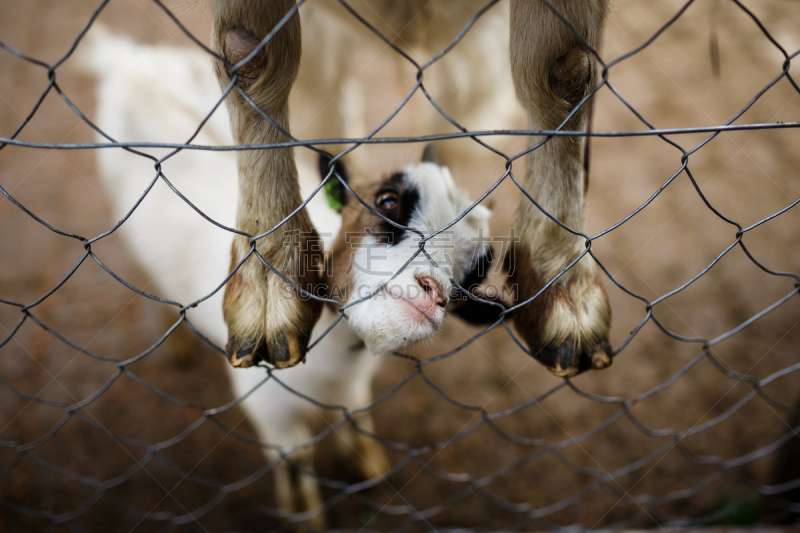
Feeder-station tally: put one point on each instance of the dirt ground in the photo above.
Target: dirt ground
(51, 461)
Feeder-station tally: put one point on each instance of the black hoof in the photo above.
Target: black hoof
(568, 359)
(281, 351)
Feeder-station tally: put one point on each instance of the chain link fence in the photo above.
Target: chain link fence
(106, 429)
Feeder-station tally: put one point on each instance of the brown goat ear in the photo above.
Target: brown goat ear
(430, 155)
(335, 192)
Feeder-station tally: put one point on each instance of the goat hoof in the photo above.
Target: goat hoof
(564, 339)
(566, 327)
(567, 359)
(282, 350)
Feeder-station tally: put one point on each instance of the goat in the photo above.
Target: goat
(364, 261)
(553, 66)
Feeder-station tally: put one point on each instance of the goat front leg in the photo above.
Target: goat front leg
(265, 321)
(567, 326)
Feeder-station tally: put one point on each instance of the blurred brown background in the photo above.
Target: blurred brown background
(745, 175)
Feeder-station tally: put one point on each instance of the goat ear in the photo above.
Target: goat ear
(481, 312)
(335, 192)
(430, 155)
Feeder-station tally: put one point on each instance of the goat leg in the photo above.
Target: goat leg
(265, 320)
(567, 326)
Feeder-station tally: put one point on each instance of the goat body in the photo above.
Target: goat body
(553, 70)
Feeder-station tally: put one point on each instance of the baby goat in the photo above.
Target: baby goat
(388, 304)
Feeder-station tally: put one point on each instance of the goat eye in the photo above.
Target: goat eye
(387, 200)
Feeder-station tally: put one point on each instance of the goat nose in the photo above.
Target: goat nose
(433, 290)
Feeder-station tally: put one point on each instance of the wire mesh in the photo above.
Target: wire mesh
(566, 454)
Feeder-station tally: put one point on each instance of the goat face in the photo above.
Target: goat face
(401, 302)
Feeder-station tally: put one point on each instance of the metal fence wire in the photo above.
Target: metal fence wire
(685, 429)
